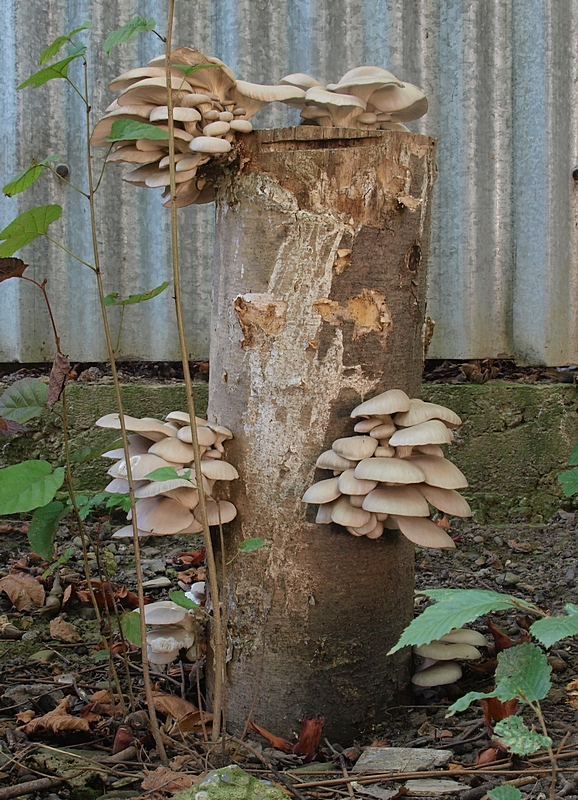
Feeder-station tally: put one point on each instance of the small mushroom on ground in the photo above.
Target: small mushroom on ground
(173, 629)
(438, 667)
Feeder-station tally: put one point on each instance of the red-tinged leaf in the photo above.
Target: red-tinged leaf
(486, 756)
(8, 427)
(11, 268)
(486, 668)
(444, 523)
(123, 739)
(58, 377)
(502, 640)
(309, 737)
(190, 559)
(520, 547)
(495, 710)
(275, 741)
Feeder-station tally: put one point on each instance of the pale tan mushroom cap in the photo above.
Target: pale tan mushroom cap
(331, 460)
(322, 492)
(343, 513)
(349, 484)
(164, 612)
(447, 651)
(355, 448)
(438, 675)
(431, 432)
(399, 500)
(389, 402)
(439, 471)
(465, 636)
(421, 411)
(447, 500)
(423, 532)
(161, 515)
(389, 470)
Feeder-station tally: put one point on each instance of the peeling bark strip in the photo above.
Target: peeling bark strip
(319, 302)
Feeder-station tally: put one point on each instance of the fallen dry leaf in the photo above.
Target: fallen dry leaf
(309, 737)
(520, 547)
(572, 689)
(495, 710)
(444, 523)
(58, 378)
(166, 780)
(56, 721)
(182, 715)
(275, 741)
(23, 590)
(11, 268)
(63, 631)
(25, 716)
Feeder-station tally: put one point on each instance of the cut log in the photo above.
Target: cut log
(319, 303)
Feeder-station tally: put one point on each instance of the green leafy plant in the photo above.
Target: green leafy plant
(569, 478)
(523, 671)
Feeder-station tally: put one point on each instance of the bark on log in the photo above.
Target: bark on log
(319, 302)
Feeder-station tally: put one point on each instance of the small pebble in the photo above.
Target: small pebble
(498, 541)
(511, 579)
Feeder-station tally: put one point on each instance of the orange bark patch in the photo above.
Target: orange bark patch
(368, 312)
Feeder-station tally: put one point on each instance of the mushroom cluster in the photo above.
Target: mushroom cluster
(173, 628)
(210, 106)
(439, 665)
(168, 503)
(390, 473)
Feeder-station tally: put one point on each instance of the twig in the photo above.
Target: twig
(29, 787)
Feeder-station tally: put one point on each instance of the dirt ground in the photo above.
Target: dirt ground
(40, 669)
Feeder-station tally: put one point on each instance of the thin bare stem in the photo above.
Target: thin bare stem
(102, 170)
(68, 183)
(537, 709)
(109, 343)
(219, 647)
(70, 253)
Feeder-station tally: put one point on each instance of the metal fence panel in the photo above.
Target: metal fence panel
(501, 76)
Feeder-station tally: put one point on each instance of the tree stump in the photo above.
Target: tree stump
(319, 303)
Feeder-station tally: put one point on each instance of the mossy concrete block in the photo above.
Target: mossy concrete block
(514, 442)
(85, 403)
(232, 783)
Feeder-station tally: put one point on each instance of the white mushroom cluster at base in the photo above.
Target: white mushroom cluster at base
(172, 629)
(210, 106)
(439, 665)
(170, 506)
(390, 473)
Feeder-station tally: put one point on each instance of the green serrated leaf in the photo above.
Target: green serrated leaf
(163, 474)
(127, 32)
(518, 738)
(128, 129)
(453, 609)
(117, 500)
(27, 177)
(573, 460)
(464, 702)
(56, 46)
(27, 227)
(571, 608)
(101, 655)
(130, 623)
(182, 600)
(57, 70)
(550, 630)
(43, 528)
(24, 400)
(505, 792)
(28, 485)
(187, 69)
(66, 556)
(110, 299)
(569, 482)
(523, 671)
(250, 545)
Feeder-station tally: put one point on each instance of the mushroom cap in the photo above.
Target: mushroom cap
(343, 513)
(137, 446)
(210, 144)
(431, 432)
(438, 675)
(389, 470)
(241, 125)
(215, 80)
(154, 488)
(400, 500)
(465, 636)
(424, 532)
(162, 515)
(366, 70)
(389, 402)
(223, 511)
(322, 492)
(363, 86)
(142, 465)
(429, 450)
(185, 495)
(117, 486)
(173, 450)
(355, 448)
(356, 500)
(363, 530)
(439, 471)
(153, 91)
(403, 104)
(349, 484)
(383, 431)
(447, 500)
(221, 431)
(132, 155)
(164, 612)
(218, 470)
(384, 451)
(134, 75)
(317, 95)
(205, 436)
(148, 427)
(367, 425)
(331, 460)
(126, 531)
(299, 79)
(421, 411)
(324, 514)
(447, 651)
(103, 127)
(376, 531)
(164, 644)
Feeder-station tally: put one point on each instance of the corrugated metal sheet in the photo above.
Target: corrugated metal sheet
(501, 76)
